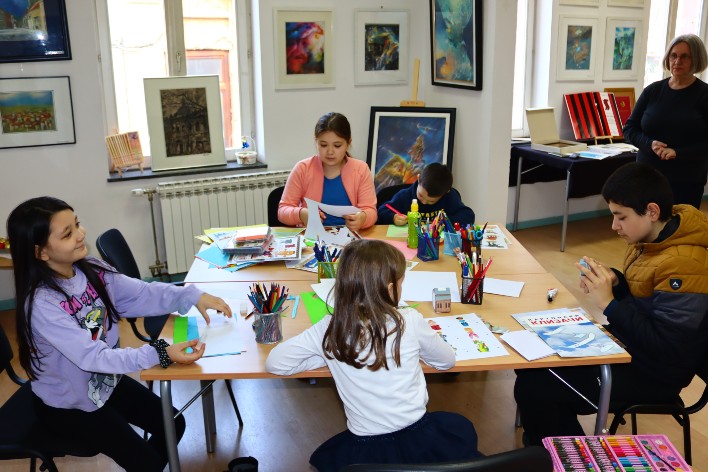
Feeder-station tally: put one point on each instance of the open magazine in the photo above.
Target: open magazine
(569, 332)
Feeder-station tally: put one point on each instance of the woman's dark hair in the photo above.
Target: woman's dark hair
(636, 185)
(363, 305)
(28, 228)
(336, 123)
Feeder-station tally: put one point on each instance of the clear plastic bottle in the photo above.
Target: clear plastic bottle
(413, 218)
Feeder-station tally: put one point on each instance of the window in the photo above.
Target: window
(667, 20)
(160, 38)
(519, 100)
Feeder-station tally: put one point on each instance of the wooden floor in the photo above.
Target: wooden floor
(285, 420)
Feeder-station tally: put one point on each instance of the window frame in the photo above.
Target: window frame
(528, 69)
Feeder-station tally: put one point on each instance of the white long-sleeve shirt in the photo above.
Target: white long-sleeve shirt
(375, 402)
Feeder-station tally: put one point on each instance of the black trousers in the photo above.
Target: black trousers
(548, 407)
(108, 429)
(688, 193)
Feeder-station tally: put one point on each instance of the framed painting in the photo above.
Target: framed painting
(623, 37)
(33, 30)
(403, 140)
(36, 111)
(184, 122)
(456, 43)
(304, 49)
(380, 47)
(625, 101)
(577, 47)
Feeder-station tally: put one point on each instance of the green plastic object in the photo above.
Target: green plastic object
(413, 217)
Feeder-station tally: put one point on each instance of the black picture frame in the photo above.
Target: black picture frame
(456, 46)
(39, 33)
(402, 140)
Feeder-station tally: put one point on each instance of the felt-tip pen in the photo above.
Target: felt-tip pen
(552, 292)
(394, 210)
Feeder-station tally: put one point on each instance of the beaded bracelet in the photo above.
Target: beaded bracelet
(161, 346)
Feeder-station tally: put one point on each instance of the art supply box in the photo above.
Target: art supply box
(544, 133)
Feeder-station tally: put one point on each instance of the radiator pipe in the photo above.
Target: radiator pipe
(158, 266)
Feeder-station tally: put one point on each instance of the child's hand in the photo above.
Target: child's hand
(400, 220)
(207, 301)
(177, 352)
(356, 221)
(597, 281)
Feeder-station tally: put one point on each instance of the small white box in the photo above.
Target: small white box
(544, 133)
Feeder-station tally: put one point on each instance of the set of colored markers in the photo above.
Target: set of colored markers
(429, 236)
(265, 300)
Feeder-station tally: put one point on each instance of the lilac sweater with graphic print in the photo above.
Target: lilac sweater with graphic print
(80, 357)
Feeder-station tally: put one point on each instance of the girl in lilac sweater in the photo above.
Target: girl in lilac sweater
(68, 307)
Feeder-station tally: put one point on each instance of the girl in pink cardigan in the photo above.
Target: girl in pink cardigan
(332, 177)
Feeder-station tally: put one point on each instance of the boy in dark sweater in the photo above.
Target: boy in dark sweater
(434, 192)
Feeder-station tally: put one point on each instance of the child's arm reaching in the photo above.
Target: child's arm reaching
(299, 354)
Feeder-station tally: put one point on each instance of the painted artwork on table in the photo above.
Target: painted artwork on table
(185, 121)
(623, 52)
(402, 141)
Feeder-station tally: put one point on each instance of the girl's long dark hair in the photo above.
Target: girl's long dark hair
(28, 228)
(363, 305)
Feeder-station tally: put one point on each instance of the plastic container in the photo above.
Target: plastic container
(428, 248)
(247, 154)
(326, 270)
(473, 297)
(268, 327)
(413, 217)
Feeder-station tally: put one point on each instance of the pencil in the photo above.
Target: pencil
(394, 210)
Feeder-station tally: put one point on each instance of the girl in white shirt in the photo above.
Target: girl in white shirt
(373, 351)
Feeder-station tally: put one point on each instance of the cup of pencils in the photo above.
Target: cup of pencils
(326, 270)
(428, 247)
(472, 290)
(268, 308)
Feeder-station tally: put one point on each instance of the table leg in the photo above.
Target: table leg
(603, 406)
(209, 416)
(518, 195)
(565, 212)
(169, 422)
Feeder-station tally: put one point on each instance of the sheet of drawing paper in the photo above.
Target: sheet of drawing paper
(418, 285)
(468, 335)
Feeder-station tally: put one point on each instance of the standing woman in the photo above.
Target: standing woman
(331, 176)
(669, 123)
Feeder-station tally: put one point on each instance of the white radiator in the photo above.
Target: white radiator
(191, 206)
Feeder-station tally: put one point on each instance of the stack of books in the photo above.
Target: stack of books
(254, 240)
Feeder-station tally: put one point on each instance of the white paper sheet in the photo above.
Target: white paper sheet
(325, 290)
(221, 336)
(315, 229)
(418, 285)
(528, 344)
(507, 288)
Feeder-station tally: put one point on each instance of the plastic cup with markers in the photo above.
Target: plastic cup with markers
(268, 307)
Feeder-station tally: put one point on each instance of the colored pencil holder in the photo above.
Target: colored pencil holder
(428, 248)
(472, 291)
(467, 246)
(452, 241)
(268, 327)
(326, 270)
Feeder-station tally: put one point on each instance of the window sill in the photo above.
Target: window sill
(135, 174)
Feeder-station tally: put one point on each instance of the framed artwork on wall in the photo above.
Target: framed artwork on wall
(184, 122)
(625, 101)
(577, 47)
(403, 140)
(36, 111)
(380, 47)
(33, 31)
(622, 48)
(304, 48)
(456, 43)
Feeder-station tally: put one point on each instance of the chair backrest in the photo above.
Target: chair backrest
(114, 249)
(386, 194)
(528, 459)
(6, 357)
(273, 202)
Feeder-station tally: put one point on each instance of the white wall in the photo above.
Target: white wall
(286, 118)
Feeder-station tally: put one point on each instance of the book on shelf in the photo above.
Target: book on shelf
(569, 332)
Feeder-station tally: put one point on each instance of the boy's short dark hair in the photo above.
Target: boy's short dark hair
(436, 179)
(636, 185)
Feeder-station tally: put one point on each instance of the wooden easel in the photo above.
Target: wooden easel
(414, 102)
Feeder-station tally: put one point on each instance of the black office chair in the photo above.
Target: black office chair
(675, 408)
(273, 202)
(21, 435)
(528, 459)
(386, 194)
(114, 249)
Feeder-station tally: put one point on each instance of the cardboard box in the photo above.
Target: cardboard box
(544, 133)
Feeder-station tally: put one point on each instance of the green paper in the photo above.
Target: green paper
(316, 308)
(180, 330)
(394, 231)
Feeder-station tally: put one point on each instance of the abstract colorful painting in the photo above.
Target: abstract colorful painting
(623, 53)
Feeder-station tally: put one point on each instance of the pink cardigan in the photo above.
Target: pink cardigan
(307, 180)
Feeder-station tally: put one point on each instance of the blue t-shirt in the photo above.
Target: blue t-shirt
(333, 193)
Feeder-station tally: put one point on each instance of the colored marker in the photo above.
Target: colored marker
(394, 210)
